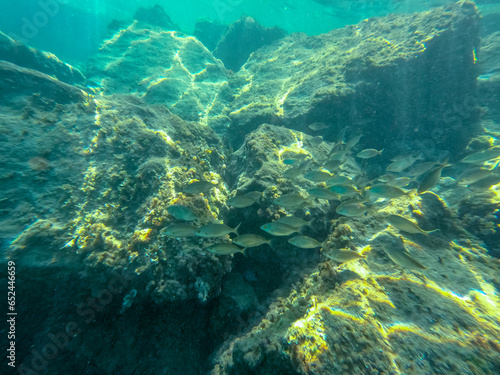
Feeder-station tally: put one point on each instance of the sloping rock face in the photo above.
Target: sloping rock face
(85, 183)
(393, 79)
(164, 67)
(16, 81)
(241, 39)
(17, 53)
(370, 316)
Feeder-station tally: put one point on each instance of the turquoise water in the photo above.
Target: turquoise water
(250, 187)
(86, 24)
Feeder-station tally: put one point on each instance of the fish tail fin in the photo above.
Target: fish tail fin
(412, 193)
(244, 251)
(236, 229)
(426, 232)
(380, 152)
(446, 164)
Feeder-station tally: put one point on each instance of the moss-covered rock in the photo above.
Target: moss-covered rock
(392, 79)
(162, 66)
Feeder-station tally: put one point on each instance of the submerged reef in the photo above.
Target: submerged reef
(366, 77)
(109, 184)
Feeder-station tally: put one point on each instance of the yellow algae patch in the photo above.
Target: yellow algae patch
(96, 236)
(142, 235)
(279, 106)
(168, 140)
(474, 305)
(89, 179)
(295, 150)
(250, 105)
(436, 337)
(308, 339)
(342, 314)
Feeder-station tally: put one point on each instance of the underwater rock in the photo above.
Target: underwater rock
(489, 55)
(156, 16)
(489, 78)
(477, 214)
(374, 78)
(162, 66)
(20, 54)
(241, 39)
(129, 162)
(209, 32)
(17, 81)
(377, 321)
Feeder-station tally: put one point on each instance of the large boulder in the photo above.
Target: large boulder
(20, 54)
(164, 67)
(395, 79)
(242, 38)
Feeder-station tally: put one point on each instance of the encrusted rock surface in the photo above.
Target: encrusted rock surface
(391, 79)
(86, 181)
(18, 53)
(162, 66)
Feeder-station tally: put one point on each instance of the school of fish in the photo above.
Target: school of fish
(351, 196)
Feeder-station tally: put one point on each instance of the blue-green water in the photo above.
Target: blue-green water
(250, 187)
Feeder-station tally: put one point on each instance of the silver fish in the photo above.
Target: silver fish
(318, 176)
(386, 178)
(351, 208)
(250, 240)
(225, 248)
(386, 191)
(290, 200)
(474, 175)
(278, 229)
(339, 155)
(368, 153)
(304, 242)
(339, 180)
(482, 156)
(401, 182)
(293, 172)
(240, 201)
(198, 187)
(344, 190)
(322, 193)
(293, 221)
(331, 165)
(432, 178)
(179, 230)
(181, 212)
(403, 259)
(352, 142)
(215, 230)
(422, 168)
(316, 141)
(318, 126)
(255, 195)
(399, 165)
(406, 225)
